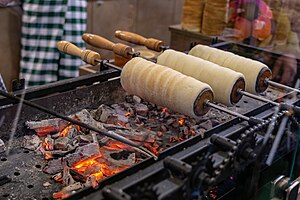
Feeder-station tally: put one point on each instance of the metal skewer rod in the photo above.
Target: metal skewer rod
(225, 110)
(279, 85)
(253, 96)
(79, 123)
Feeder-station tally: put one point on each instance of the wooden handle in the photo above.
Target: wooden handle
(134, 38)
(88, 56)
(102, 43)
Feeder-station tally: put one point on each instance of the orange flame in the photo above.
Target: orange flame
(65, 132)
(114, 146)
(164, 110)
(181, 121)
(60, 195)
(48, 156)
(42, 132)
(193, 132)
(93, 162)
(47, 146)
(128, 114)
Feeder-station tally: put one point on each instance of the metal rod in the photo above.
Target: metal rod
(253, 96)
(280, 132)
(79, 123)
(208, 103)
(279, 85)
(108, 64)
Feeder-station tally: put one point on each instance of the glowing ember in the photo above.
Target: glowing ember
(115, 146)
(193, 132)
(94, 163)
(48, 156)
(181, 121)
(164, 110)
(64, 132)
(60, 195)
(128, 114)
(47, 146)
(42, 132)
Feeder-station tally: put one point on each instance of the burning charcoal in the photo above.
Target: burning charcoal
(61, 143)
(54, 166)
(163, 128)
(206, 125)
(175, 124)
(67, 178)
(83, 139)
(58, 177)
(91, 169)
(102, 113)
(77, 176)
(136, 99)
(129, 98)
(46, 126)
(121, 119)
(82, 153)
(118, 157)
(145, 135)
(72, 132)
(118, 109)
(48, 144)
(170, 121)
(55, 135)
(31, 142)
(2, 146)
(67, 191)
(91, 182)
(159, 134)
(141, 109)
(85, 117)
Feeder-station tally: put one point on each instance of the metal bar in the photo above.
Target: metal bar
(63, 85)
(208, 103)
(108, 134)
(253, 96)
(282, 86)
(108, 64)
(277, 140)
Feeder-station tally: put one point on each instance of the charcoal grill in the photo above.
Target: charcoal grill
(169, 177)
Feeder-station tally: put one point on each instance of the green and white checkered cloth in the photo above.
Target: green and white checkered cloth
(45, 22)
(2, 86)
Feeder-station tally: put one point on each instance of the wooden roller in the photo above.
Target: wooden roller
(150, 43)
(166, 87)
(256, 73)
(102, 43)
(88, 56)
(225, 83)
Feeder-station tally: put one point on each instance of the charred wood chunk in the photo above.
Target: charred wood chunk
(31, 142)
(47, 126)
(82, 153)
(62, 143)
(54, 166)
(141, 109)
(103, 113)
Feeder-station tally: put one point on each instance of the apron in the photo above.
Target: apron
(45, 22)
